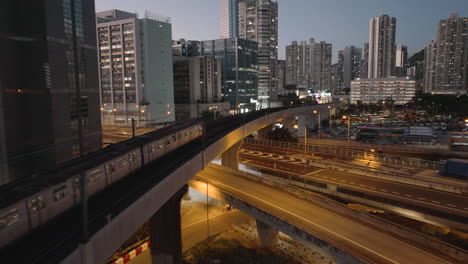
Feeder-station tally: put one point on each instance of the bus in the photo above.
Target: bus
(458, 141)
(381, 135)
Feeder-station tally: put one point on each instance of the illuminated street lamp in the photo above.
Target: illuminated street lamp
(319, 119)
(349, 124)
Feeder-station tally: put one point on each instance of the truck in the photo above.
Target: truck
(454, 168)
(458, 141)
(420, 135)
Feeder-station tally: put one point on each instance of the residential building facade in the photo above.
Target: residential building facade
(447, 71)
(197, 86)
(280, 76)
(308, 65)
(135, 68)
(430, 66)
(49, 91)
(401, 63)
(258, 21)
(229, 19)
(382, 49)
(351, 61)
(364, 72)
(371, 91)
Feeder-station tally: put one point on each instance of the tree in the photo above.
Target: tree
(208, 115)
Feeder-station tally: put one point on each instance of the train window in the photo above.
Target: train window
(174, 138)
(186, 133)
(76, 182)
(110, 167)
(37, 204)
(152, 149)
(60, 193)
(94, 176)
(132, 157)
(122, 162)
(8, 219)
(160, 146)
(168, 141)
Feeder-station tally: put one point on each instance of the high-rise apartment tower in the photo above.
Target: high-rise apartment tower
(258, 21)
(382, 47)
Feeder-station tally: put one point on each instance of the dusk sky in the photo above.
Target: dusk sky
(341, 22)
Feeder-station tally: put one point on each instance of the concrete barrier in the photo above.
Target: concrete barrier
(404, 233)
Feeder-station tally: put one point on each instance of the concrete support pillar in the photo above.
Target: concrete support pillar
(267, 235)
(165, 231)
(230, 157)
(263, 133)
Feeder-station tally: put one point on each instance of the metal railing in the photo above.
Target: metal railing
(380, 147)
(349, 153)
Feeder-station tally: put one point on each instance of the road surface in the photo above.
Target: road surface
(365, 242)
(439, 200)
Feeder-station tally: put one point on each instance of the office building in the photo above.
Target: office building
(447, 58)
(49, 91)
(382, 47)
(197, 87)
(371, 91)
(229, 19)
(401, 63)
(136, 80)
(185, 48)
(239, 67)
(308, 65)
(258, 21)
(349, 61)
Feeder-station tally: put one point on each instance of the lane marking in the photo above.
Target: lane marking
(362, 185)
(451, 205)
(352, 183)
(436, 202)
(314, 224)
(334, 179)
(373, 188)
(383, 190)
(317, 225)
(396, 193)
(407, 195)
(420, 198)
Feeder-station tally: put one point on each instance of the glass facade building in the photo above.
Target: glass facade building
(239, 67)
(49, 92)
(229, 18)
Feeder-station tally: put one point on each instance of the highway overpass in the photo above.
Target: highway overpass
(334, 230)
(407, 196)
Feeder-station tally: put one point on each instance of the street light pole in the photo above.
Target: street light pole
(319, 119)
(349, 125)
(330, 121)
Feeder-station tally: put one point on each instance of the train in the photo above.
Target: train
(458, 141)
(32, 202)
